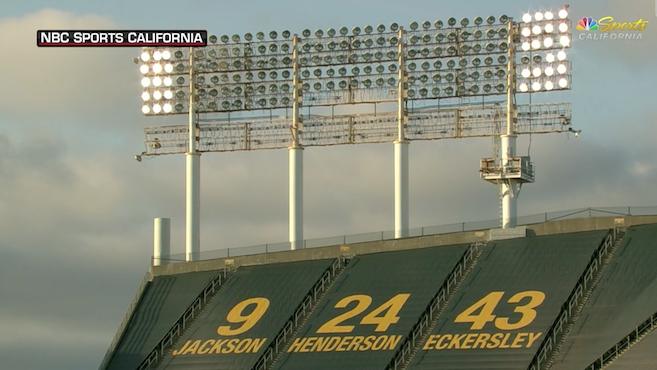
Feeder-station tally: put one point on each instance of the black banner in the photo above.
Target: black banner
(139, 38)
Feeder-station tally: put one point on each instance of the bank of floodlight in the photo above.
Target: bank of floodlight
(157, 68)
(548, 73)
(543, 65)
(442, 60)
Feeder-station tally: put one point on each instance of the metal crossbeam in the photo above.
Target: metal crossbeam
(276, 133)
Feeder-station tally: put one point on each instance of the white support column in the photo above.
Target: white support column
(193, 176)
(296, 158)
(161, 241)
(401, 189)
(296, 198)
(510, 186)
(401, 148)
(193, 207)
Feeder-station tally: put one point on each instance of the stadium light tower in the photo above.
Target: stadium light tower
(158, 70)
(538, 35)
(246, 93)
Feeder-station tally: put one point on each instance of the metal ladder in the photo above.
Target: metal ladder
(578, 310)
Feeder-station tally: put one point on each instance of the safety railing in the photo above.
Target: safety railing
(126, 319)
(624, 344)
(422, 231)
(438, 301)
(568, 309)
(185, 319)
(302, 311)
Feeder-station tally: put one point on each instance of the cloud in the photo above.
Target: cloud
(70, 85)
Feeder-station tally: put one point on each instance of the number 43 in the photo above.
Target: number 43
(487, 305)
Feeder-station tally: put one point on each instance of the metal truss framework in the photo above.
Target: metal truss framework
(275, 133)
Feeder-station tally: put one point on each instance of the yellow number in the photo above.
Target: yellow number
(235, 316)
(332, 326)
(487, 305)
(527, 311)
(392, 308)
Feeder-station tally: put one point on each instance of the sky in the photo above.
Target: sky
(76, 210)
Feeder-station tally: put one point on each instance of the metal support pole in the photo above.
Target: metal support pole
(296, 158)
(401, 148)
(401, 189)
(296, 197)
(193, 176)
(510, 187)
(161, 241)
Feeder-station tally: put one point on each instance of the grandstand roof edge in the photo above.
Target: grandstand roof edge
(467, 237)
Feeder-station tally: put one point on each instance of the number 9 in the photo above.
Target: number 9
(248, 321)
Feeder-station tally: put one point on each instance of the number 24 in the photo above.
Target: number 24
(382, 316)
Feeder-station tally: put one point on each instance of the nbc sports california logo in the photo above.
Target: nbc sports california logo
(587, 24)
(607, 29)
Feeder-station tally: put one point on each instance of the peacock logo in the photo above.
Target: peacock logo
(587, 24)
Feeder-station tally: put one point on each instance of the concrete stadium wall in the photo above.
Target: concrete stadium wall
(546, 228)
